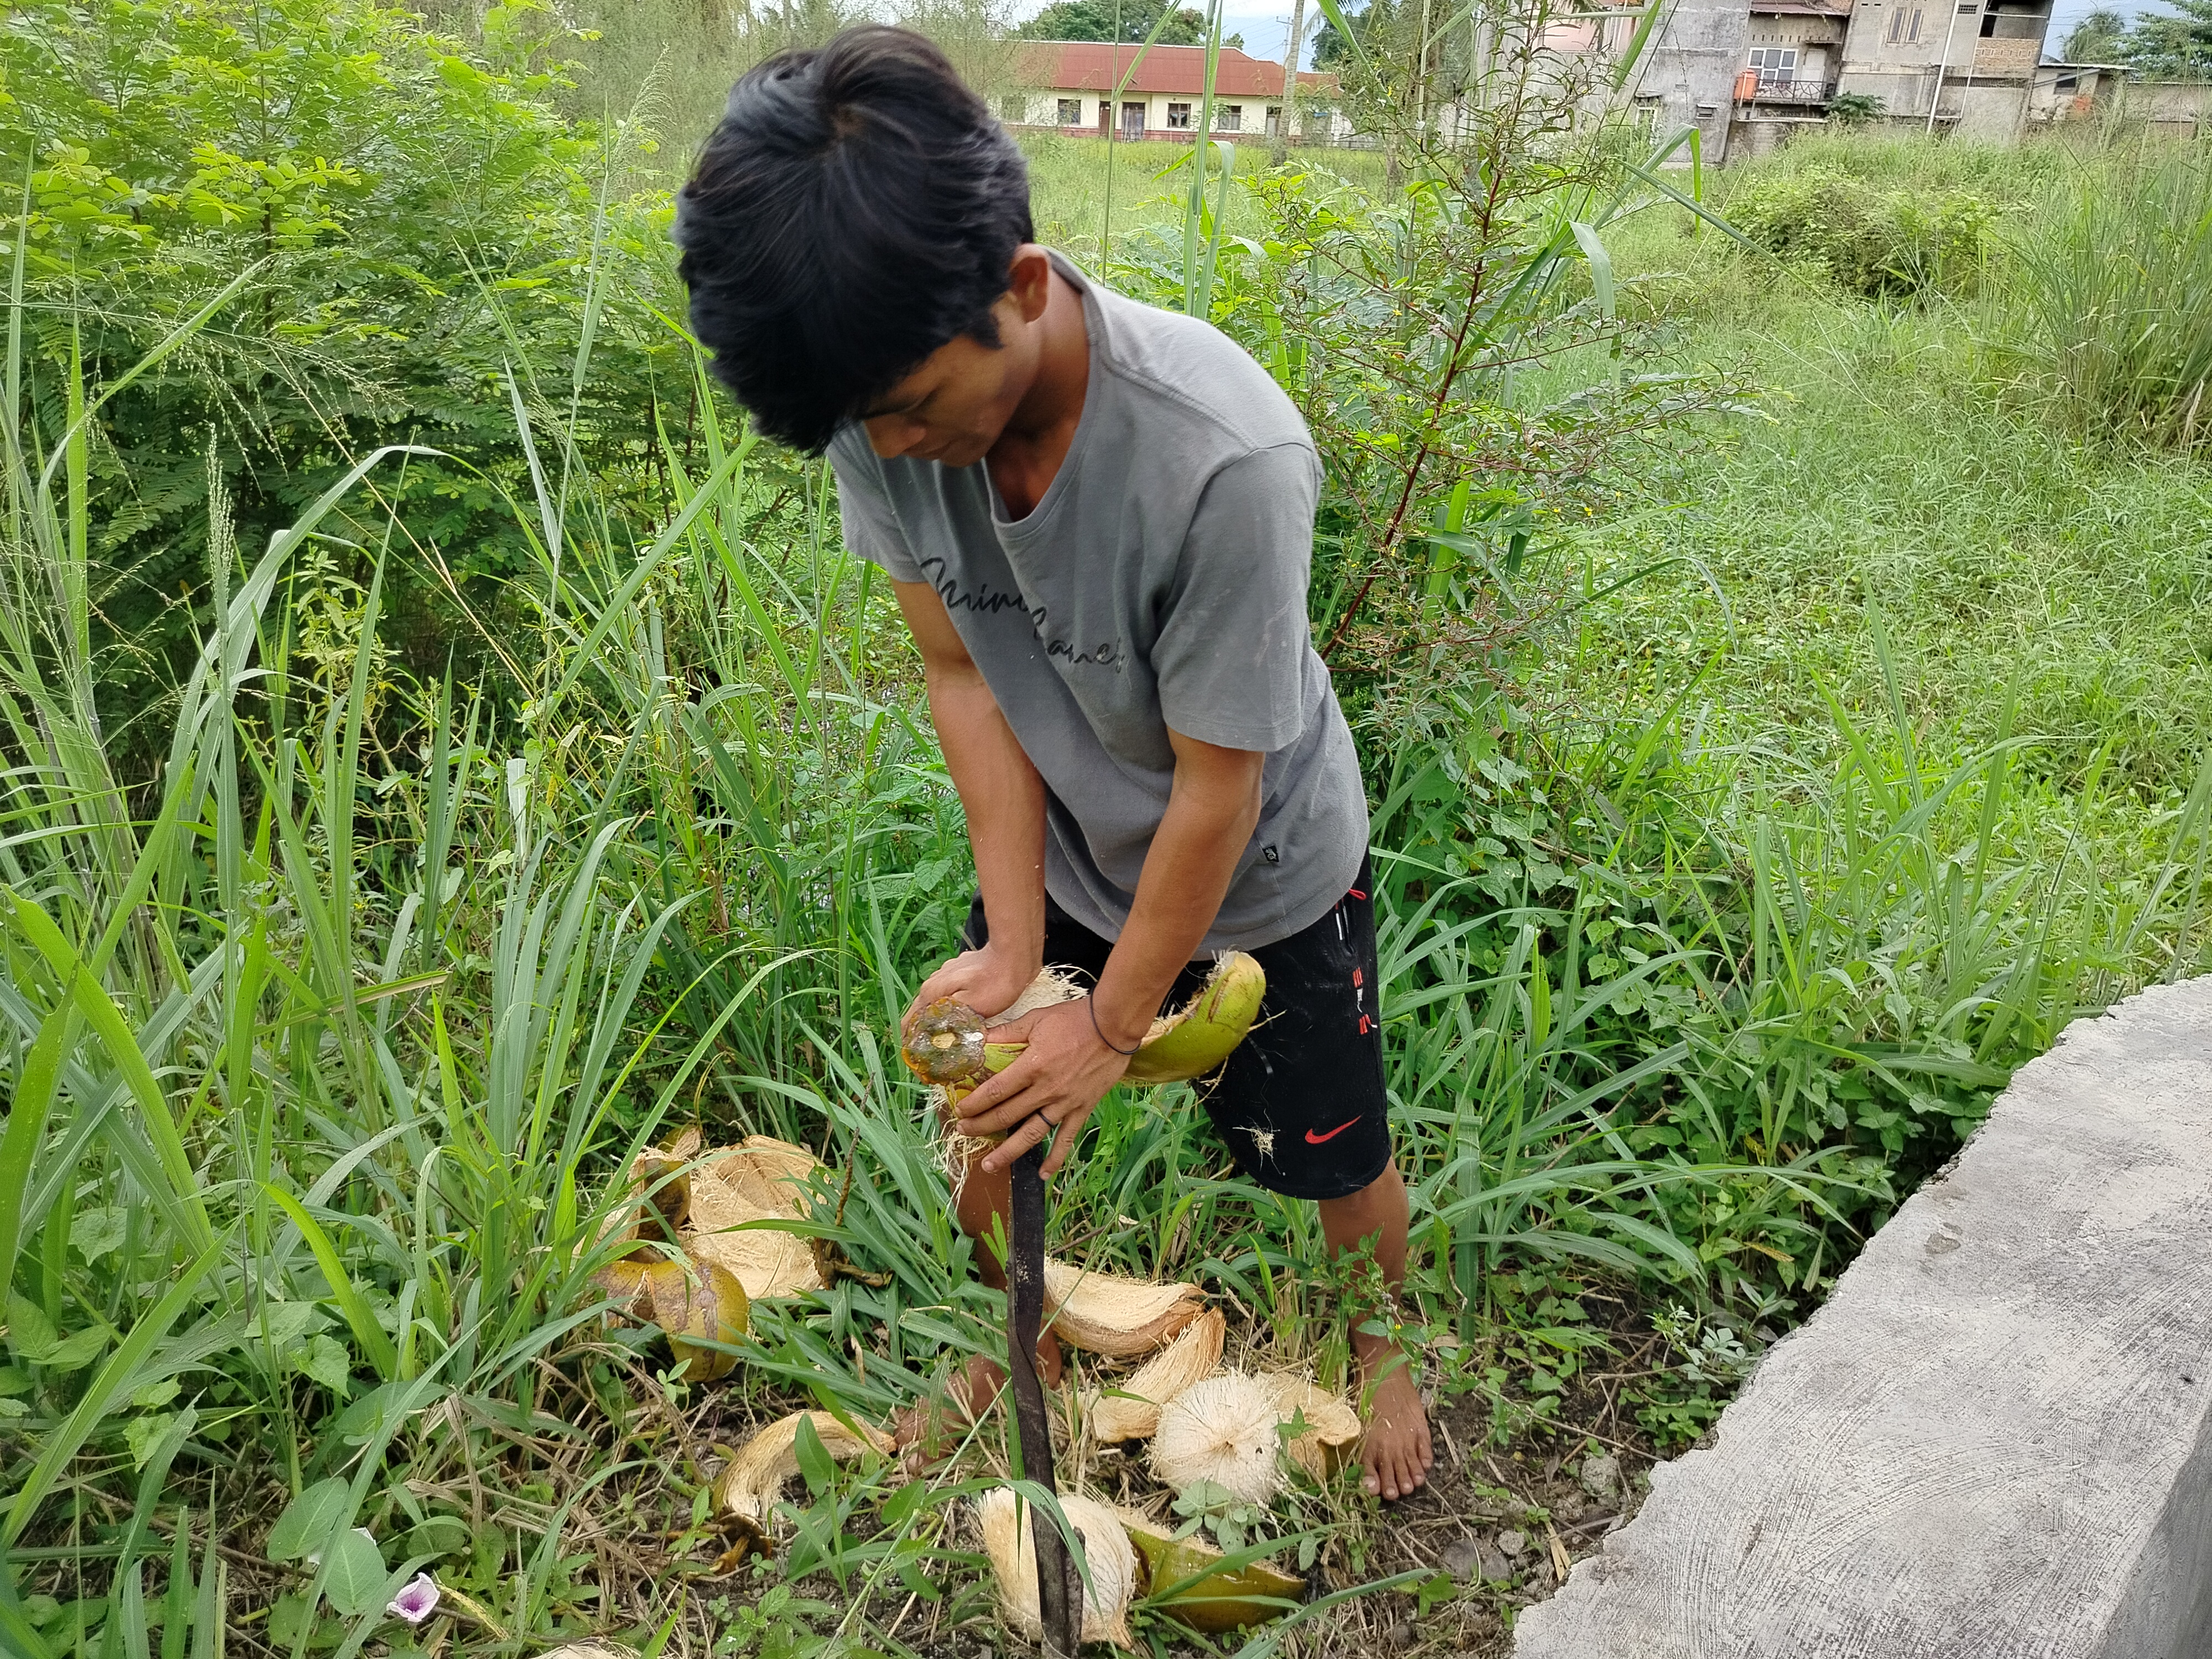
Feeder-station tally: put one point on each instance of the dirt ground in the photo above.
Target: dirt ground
(1495, 1529)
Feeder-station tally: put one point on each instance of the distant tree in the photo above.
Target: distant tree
(2175, 47)
(1330, 47)
(1093, 20)
(2095, 39)
(1856, 109)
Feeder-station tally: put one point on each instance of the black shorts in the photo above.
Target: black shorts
(1300, 1102)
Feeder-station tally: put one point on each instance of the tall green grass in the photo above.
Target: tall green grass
(2106, 307)
(326, 1046)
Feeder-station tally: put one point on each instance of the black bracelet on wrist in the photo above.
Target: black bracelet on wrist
(1091, 1003)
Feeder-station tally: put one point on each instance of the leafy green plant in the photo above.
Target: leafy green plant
(1898, 243)
(406, 216)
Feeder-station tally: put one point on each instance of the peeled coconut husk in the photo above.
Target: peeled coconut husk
(1215, 1600)
(1106, 1549)
(768, 1174)
(1221, 1431)
(623, 1279)
(761, 1180)
(1331, 1425)
(696, 1303)
(1114, 1316)
(1192, 1356)
(665, 1184)
(745, 1490)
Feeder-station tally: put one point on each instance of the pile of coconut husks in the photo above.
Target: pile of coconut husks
(706, 1235)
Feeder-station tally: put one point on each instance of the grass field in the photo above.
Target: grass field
(505, 812)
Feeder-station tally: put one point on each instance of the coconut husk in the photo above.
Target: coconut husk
(623, 1280)
(1212, 1601)
(1132, 1410)
(698, 1305)
(1117, 1316)
(1004, 1523)
(761, 1180)
(1331, 1425)
(745, 1492)
(769, 1174)
(1221, 1431)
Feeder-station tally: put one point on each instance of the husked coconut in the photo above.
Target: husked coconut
(745, 1490)
(1005, 1520)
(1331, 1425)
(1192, 1356)
(1220, 1430)
(1114, 1315)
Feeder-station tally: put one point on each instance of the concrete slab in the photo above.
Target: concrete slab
(1995, 1442)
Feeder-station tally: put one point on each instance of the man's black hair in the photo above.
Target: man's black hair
(857, 208)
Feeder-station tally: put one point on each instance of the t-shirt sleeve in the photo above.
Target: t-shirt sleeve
(1231, 655)
(871, 529)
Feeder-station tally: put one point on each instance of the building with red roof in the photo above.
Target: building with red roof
(1070, 85)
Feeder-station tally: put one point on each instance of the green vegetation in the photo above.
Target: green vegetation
(1100, 20)
(1785, 703)
(2174, 43)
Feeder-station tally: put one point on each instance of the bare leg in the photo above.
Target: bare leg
(984, 1211)
(1396, 1448)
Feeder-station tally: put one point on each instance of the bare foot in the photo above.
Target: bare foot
(1396, 1449)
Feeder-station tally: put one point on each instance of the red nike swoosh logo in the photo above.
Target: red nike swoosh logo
(1313, 1140)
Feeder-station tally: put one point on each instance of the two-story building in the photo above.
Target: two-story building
(1966, 66)
(1069, 86)
(1745, 75)
(1748, 73)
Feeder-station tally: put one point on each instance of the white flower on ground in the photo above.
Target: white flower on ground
(416, 1601)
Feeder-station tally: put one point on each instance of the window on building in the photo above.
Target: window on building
(1896, 26)
(1913, 34)
(1071, 112)
(1274, 119)
(1013, 109)
(1989, 25)
(1179, 117)
(2066, 83)
(1776, 65)
(1229, 117)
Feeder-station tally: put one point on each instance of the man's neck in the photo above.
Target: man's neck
(1028, 452)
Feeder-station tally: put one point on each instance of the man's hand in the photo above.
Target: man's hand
(988, 981)
(1051, 1089)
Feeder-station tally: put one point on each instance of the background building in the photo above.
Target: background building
(1972, 63)
(1068, 85)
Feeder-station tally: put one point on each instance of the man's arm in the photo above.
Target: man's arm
(1212, 806)
(1003, 799)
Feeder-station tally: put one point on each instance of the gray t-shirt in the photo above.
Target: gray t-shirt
(1159, 583)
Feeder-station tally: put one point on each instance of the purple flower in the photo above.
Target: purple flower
(416, 1601)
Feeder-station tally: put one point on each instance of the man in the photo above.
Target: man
(1098, 518)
